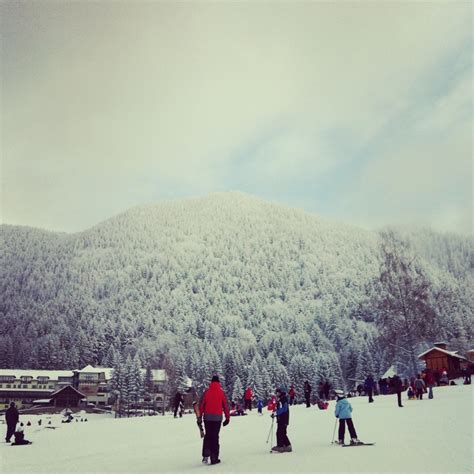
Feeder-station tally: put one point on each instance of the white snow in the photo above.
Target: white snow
(424, 436)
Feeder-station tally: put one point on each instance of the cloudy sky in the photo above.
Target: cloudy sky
(359, 111)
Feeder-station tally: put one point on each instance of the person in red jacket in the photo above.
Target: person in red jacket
(212, 406)
(248, 398)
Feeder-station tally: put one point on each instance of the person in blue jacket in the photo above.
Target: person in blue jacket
(282, 414)
(259, 406)
(344, 413)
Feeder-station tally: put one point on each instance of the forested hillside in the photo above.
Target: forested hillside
(228, 283)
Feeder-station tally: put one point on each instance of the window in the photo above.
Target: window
(25, 386)
(7, 378)
(26, 379)
(51, 386)
(9, 386)
(43, 380)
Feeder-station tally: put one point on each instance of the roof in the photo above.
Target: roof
(390, 372)
(67, 387)
(449, 353)
(52, 374)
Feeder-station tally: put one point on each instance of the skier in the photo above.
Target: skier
(307, 393)
(259, 406)
(212, 405)
(343, 413)
(397, 388)
(282, 414)
(178, 404)
(11, 416)
(419, 387)
(369, 387)
(248, 398)
(326, 389)
(292, 395)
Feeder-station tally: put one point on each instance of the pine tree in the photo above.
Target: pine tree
(238, 393)
(117, 382)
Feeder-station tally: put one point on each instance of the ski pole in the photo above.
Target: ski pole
(334, 432)
(270, 433)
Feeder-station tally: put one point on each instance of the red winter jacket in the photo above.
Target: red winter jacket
(248, 394)
(213, 403)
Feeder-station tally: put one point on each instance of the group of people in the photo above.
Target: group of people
(214, 412)
(12, 418)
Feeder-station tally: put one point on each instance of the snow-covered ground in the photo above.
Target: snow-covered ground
(424, 436)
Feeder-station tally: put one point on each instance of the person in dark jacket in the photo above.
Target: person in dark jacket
(212, 406)
(20, 437)
(178, 404)
(292, 394)
(369, 387)
(282, 414)
(307, 393)
(327, 389)
(397, 388)
(11, 416)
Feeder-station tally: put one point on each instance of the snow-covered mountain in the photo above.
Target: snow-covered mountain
(214, 283)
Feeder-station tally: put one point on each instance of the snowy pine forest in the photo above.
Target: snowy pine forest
(259, 293)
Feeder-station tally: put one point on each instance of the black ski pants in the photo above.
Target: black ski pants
(419, 393)
(370, 391)
(282, 438)
(399, 397)
(342, 429)
(307, 397)
(210, 445)
(11, 427)
(248, 404)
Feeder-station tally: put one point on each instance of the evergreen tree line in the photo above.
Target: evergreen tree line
(258, 293)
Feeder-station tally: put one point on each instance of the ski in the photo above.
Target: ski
(198, 418)
(355, 445)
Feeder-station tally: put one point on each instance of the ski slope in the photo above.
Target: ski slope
(424, 436)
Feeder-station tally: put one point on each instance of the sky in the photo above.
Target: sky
(356, 111)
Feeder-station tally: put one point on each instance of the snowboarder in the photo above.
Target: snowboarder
(12, 416)
(292, 395)
(212, 405)
(20, 437)
(248, 398)
(178, 404)
(397, 388)
(307, 393)
(369, 387)
(344, 413)
(282, 415)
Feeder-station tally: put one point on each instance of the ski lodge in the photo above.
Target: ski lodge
(438, 358)
(87, 387)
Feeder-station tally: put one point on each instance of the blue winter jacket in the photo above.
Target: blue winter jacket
(343, 409)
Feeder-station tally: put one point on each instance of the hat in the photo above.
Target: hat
(339, 393)
(282, 389)
(215, 378)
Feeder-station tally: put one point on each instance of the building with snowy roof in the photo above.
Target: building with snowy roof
(438, 358)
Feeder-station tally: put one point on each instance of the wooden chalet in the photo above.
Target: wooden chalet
(67, 397)
(438, 358)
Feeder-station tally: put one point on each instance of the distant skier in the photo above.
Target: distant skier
(11, 416)
(419, 387)
(397, 388)
(292, 395)
(369, 387)
(248, 398)
(282, 415)
(259, 406)
(344, 413)
(20, 437)
(178, 404)
(307, 393)
(212, 406)
(326, 389)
